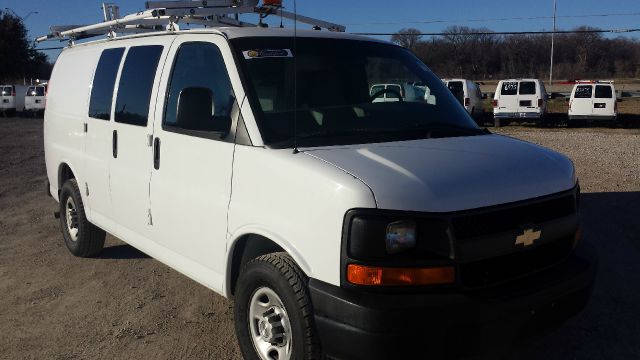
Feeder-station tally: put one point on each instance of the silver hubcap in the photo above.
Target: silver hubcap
(72, 218)
(269, 325)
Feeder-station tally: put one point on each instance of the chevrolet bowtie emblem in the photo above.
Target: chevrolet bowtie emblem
(528, 237)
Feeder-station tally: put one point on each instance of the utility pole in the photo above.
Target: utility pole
(552, 40)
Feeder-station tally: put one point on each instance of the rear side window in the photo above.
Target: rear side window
(200, 65)
(527, 88)
(583, 92)
(7, 90)
(603, 92)
(103, 83)
(509, 88)
(31, 91)
(40, 91)
(136, 81)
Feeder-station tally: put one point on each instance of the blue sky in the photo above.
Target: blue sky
(361, 16)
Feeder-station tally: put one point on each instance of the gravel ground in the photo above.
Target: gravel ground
(124, 305)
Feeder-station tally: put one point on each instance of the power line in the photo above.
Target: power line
(593, 31)
(492, 19)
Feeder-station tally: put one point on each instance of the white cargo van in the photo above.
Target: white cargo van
(12, 99)
(593, 102)
(520, 100)
(468, 94)
(35, 99)
(264, 169)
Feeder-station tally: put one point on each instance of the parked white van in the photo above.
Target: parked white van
(341, 226)
(468, 94)
(35, 99)
(12, 99)
(520, 100)
(593, 102)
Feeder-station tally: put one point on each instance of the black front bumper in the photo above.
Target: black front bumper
(368, 325)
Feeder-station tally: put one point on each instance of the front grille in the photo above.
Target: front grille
(512, 217)
(501, 269)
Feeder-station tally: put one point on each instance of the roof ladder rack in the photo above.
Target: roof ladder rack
(165, 15)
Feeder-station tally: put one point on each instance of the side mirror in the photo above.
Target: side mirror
(196, 111)
(567, 99)
(484, 96)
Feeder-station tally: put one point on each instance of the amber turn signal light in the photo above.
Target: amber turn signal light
(577, 237)
(380, 276)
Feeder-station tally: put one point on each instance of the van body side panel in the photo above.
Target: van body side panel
(300, 206)
(64, 135)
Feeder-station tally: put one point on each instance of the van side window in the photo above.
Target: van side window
(527, 88)
(509, 88)
(200, 65)
(136, 81)
(583, 92)
(104, 81)
(603, 92)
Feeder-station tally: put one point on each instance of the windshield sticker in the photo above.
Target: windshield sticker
(267, 53)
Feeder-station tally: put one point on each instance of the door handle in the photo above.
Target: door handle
(86, 127)
(156, 153)
(114, 144)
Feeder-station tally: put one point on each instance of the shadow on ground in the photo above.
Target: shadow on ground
(122, 252)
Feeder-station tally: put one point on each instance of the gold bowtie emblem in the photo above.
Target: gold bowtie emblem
(528, 237)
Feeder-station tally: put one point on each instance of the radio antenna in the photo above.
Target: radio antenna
(295, 77)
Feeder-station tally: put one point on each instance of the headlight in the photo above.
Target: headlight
(379, 235)
(401, 236)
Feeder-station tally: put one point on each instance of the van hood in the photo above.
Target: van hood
(452, 174)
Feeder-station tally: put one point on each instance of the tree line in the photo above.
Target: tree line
(19, 59)
(475, 53)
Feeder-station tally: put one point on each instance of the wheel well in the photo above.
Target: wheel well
(64, 174)
(247, 248)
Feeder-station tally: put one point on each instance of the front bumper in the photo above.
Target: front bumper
(368, 325)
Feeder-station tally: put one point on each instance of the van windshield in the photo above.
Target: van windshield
(348, 92)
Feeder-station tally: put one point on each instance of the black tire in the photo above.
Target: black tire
(89, 239)
(280, 273)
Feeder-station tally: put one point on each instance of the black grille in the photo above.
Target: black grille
(501, 269)
(507, 218)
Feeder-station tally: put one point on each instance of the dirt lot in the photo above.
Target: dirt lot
(124, 305)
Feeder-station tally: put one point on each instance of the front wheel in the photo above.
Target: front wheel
(273, 312)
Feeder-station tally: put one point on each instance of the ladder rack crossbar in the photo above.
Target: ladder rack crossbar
(168, 13)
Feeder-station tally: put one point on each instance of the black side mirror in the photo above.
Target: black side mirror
(484, 96)
(196, 111)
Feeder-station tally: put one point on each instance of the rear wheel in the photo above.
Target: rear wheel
(273, 312)
(82, 238)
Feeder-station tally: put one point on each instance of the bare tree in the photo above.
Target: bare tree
(408, 38)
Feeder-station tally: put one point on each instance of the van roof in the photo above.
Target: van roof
(241, 32)
(536, 80)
